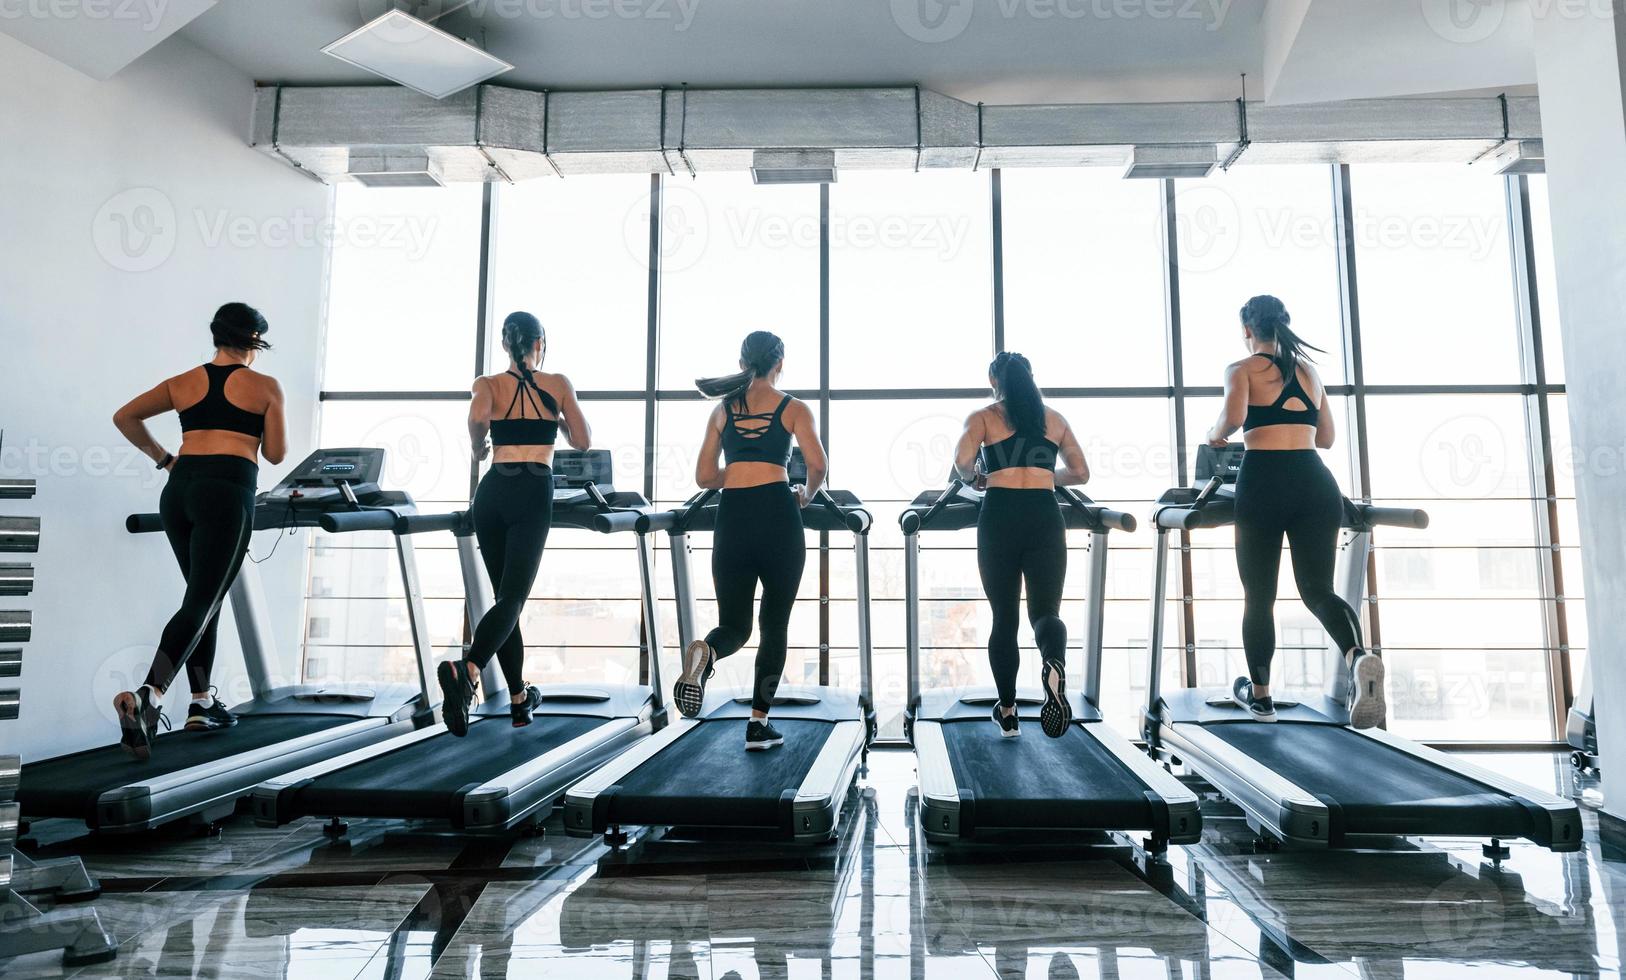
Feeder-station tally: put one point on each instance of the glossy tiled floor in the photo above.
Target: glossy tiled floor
(402, 901)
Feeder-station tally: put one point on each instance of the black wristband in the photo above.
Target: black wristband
(164, 463)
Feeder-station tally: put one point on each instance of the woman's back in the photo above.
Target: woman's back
(213, 395)
(1284, 413)
(508, 398)
(997, 429)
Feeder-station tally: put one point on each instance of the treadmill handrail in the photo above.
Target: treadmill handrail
(912, 520)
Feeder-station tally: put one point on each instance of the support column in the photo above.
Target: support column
(1581, 71)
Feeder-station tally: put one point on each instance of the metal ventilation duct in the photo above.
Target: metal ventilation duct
(492, 132)
(409, 169)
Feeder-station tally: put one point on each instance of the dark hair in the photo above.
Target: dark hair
(760, 353)
(239, 326)
(520, 332)
(1266, 317)
(1018, 394)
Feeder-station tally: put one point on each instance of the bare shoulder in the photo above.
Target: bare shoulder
(797, 410)
(1054, 421)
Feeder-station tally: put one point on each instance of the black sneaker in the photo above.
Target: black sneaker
(1056, 714)
(210, 717)
(761, 736)
(1008, 725)
(139, 718)
(1367, 709)
(690, 690)
(456, 695)
(1262, 709)
(523, 711)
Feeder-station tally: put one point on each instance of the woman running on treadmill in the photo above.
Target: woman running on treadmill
(1278, 400)
(1011, 448)
(522, 410)
(230, 416)
(759, 525)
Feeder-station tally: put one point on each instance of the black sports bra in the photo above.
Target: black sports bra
(1276, 414)
(523, 431)
(213, 411)
(769, 443)
(1016, 452)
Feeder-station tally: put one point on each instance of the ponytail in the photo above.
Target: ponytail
(520, 333)
(760, 354)
(1018, 394)
(1266, 317)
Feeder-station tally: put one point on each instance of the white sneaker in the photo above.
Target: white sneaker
(690, 690)
(1367, 709)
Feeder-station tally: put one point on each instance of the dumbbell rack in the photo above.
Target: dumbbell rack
(24, 926)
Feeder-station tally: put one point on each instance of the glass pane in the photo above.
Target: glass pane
(910, 280)
(403, 289)
(1266, 229)
(576, 253)
(1541, 232)
(1436, 290)
(1461, 447)
(1084, 276)
(738, 258)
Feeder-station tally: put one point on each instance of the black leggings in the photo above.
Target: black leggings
(758, 537)
(513, 509)
(1021, 535)
(208, 512)
(1288, 492)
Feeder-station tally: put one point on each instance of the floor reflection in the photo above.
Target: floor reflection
(397, 900)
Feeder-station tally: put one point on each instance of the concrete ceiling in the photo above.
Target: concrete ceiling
(997, 51)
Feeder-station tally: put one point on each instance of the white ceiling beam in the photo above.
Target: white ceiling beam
(97, 37)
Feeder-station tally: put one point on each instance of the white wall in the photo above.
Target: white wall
(130, 209)
(1581, 67)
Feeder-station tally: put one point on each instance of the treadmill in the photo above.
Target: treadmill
(696, 773)
(497, 777)
(202, 774)
(1581, 729)
(1310, 778)
(976, 783)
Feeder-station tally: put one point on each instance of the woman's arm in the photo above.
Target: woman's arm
(807, 437)
(1325, 432)
(570, 415)
(274, 444)
(131, 420)
(708, 475)
(479, 415)
(965, 454)
(1235, 410)
(1075, 471)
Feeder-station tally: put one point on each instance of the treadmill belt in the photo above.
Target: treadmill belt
(68, 786)
(1380, 789)
(429, 778)
(1039, 782)
(706, 778)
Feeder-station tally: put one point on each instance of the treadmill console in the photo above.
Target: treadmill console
(574, 469)
(328, 477)
(1224, 463)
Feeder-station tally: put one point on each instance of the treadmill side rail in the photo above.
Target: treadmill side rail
(1563, 829)
(939, 790)
(268, 799)
(503, 803)
(816, 810)
(145, 805)
(1185, 810)
(1272, 801)
(581, 799)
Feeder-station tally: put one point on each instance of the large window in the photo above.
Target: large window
(904, 284)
